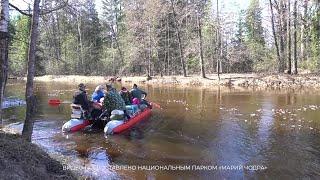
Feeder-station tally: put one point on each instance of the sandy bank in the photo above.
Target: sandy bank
(241, 80)
(20, 159)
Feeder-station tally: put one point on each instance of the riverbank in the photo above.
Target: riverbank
(20, 159)
(240, 80)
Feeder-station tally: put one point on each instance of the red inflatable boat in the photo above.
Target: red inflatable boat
(132, 121)
(112, 127)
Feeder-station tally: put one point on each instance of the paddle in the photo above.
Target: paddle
(156, 105)
(57, 102)
(54, 101)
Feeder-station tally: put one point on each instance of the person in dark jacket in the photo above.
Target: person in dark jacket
(139, 94)
(126, 96)
(80, 97)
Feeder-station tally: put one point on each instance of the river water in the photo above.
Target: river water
(213, 133)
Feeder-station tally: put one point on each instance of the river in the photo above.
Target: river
(207, 133)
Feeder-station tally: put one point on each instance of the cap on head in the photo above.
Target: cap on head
(109, 87)
(81, 86)
(99, 88)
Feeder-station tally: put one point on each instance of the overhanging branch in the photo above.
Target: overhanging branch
(19, 10)
(44, 12)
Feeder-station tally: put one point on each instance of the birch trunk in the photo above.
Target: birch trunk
(203, 74)
(4, 38)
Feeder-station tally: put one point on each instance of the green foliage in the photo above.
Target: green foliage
(241, 25)
(192, 63)
(253, 23)
(268, 61)
(315, 40)
(134, 36)
(19, 45)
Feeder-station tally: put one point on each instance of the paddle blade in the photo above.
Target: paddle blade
(54, 101)
(156, 105)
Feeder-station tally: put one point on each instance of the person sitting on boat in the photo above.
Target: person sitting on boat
(113, 101)
(98, 94)
(126, 96)
(80, 97)
(137, 95)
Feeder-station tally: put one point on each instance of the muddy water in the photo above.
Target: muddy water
(234, 134)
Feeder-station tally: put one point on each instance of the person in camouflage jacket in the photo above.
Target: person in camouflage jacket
(113, 100)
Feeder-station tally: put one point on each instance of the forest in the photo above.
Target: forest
(168, 37)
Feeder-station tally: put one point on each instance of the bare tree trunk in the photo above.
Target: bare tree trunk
(282, 36)
(4, 38)
(114, 71)
(318, 32)
(179, 40)
(203, 74)
(289, 38)
(150, 50)
(168, 48)
(30, 98)
(80, 44)
(219, 42)
(275, 37)
(117, 44)
(59, 52)
(295, 58)
(303, 34)
(221, 53)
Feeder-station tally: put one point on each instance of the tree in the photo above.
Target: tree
(255, 40)
(275, 37)
(239, 36)
(219, 43)
(203, 74)
(295, 58)
(113, 18)
(91, 37)
(30, 97)
(20, 32)
(281, 6)
(303, 31)
(178, 31)
(253, 24)
(136, 37)
(315, 35)
(289, 38)
(4, 43)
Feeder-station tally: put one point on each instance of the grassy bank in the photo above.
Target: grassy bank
(241, 80)
(20, 159)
